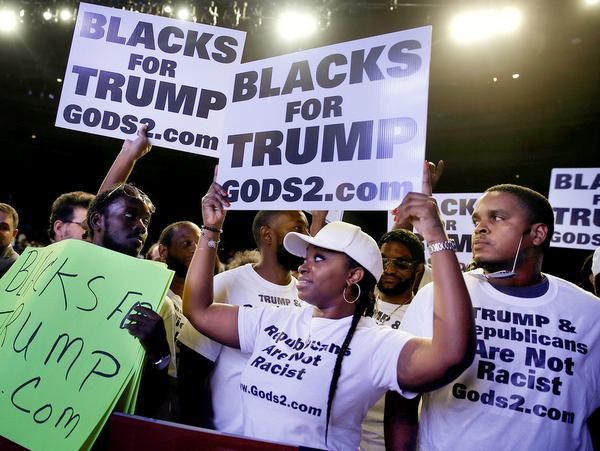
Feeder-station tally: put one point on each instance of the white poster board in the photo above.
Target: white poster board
(127, 68)
(340, 127)
(455, 211)
(575, 197)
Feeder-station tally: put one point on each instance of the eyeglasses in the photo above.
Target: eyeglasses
(398, 263)
(82, 224)
(133, 192)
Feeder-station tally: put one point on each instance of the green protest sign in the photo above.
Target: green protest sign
(65, 357)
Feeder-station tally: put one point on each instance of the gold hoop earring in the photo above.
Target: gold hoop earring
(357, 296)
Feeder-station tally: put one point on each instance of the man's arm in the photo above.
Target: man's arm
(400, 422)
(131, 151)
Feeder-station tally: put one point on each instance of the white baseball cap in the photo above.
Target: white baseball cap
(341, 237)
(596, 262)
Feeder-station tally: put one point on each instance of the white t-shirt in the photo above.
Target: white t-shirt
(240, 286)
(285, 383)
(373, 438)
(535, 378)
(171, 312)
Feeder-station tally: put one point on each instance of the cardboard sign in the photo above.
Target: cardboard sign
(575, 197)
(340, 127)
(65, 354)
(455, 211)
(127, 68)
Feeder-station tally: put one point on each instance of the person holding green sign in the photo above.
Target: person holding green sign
(289, 393)
(118, 220)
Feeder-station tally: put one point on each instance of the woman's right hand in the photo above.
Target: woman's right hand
(214, 204)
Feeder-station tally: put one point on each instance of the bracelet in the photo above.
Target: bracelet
(162, 363)
(211, 229)
(209, 241)
(448, 245)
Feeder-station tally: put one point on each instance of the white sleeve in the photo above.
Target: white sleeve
(384, 365)
(249, 320)
(418, 319)
(198, 342)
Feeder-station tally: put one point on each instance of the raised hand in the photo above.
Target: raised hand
(138, 147)
(435, 173)
(420, 209)
(214, 204)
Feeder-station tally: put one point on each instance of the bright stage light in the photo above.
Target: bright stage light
(168, 9)
(515, 76)
(8, 20)
(481, 25)
(293, 25)
(65, 15)
(471, 26)
(183, 13)
(592, 2)
(508, 20)
(47, 15)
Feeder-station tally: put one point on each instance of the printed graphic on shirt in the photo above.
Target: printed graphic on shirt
(289, 356)
(522, 355)
(275, 301)
(278, 301)
(281, 399)
(383, 319)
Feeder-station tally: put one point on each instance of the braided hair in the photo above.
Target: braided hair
(364, 307)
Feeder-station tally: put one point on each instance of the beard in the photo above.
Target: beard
(113, 245)
(399, 288)
(289, 261)
(176, 265)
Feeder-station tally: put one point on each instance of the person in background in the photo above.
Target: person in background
(67, 216)
(403, 265)
(9, 227)
(152, 253)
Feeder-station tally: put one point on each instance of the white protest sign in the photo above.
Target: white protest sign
(334, 128)
(127, 68)
(455, 211)
(575, 197)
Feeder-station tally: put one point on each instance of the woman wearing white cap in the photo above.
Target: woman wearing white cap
(314, 372)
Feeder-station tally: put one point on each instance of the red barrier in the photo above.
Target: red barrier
(131, 433)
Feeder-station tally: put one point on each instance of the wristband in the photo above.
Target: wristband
(448, 245)
(211, 229)
(209, 241)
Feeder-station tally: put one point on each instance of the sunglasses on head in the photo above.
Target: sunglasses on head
(134, 193)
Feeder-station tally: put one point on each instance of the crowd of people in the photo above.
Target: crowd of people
(344, 342)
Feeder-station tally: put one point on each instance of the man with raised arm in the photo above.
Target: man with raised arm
(534, 381)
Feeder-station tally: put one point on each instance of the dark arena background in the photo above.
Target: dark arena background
(506, 109)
